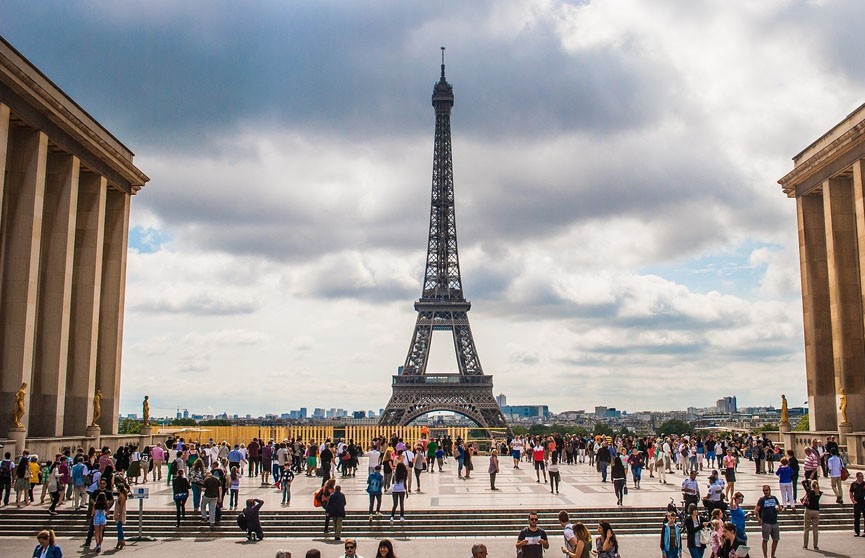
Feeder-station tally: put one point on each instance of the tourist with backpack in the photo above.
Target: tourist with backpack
(374, 484)
(6, 468)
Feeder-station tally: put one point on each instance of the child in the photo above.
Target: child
(287, 477)
(234, 489)
(440, 455)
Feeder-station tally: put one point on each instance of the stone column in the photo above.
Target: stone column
(817, 318)
(111, 307)
(845, 296)
(86, 289)
(4, 142)
(21, 242)
(48, 400)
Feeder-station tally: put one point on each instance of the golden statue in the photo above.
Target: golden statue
(843, 406)
(146, 410)
(19, 406)
(97, 407)
(785, 417)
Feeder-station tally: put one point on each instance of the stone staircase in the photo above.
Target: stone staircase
(419, 523)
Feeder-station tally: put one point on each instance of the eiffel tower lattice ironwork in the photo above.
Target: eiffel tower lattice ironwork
(442, 306)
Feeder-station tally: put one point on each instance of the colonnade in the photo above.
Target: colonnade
(827, 183)
(65, 190)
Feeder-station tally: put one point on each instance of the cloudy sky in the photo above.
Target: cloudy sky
(623, 239)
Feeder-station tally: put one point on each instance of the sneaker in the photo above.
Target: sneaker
(391, 519)
(370, 517)
(402, 519)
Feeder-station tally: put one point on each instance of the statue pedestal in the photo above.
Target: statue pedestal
(786, 436)
(94, 432)
(19, 434)
(147, 430)
(843, 429)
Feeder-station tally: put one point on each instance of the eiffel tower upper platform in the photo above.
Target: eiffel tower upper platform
(442, 306)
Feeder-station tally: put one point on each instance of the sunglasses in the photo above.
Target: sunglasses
(350, 547)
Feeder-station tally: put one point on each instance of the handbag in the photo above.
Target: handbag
(845, 474)
(705, 536)
(625, 491)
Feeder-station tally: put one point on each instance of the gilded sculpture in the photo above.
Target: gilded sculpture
(146, 410)
(785, 416)
(97, 407)
(19, 406)
(843, 406)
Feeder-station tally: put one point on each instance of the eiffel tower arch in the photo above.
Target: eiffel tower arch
(443, 307)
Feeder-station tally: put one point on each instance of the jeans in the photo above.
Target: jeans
(375, 499)
(673, 553)
(196, 497)
(120, 534)
(232, 498)
(555, 477)
(697, 551)
(492, 481)
(637, 474)
(619, 487)
(398, 498)
(5, 490)
(602, 467)
(286, 492)
(208, 509)
(181, 509)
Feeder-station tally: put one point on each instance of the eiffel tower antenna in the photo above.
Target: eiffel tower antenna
(442, 306)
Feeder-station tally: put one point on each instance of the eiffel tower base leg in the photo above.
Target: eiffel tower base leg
(418, 395)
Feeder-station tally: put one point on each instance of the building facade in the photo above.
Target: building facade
(827, 184)
(65, 191)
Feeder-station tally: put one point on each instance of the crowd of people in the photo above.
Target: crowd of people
(712, 514)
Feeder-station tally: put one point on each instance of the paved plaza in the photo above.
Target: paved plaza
(580, 487)
(832, 545)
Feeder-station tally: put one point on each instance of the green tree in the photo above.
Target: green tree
(604, 429)
(215, 422)
(804, 424)
(674, 426)
(768, 428)
(519, 430)
(184, 422)
(129, 426)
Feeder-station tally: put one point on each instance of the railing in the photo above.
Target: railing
(442, 379)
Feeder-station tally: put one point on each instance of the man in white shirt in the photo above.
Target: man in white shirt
(374, 459)
(835, 465)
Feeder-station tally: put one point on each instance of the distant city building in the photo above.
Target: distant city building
(303, 413)
(526, 411)
(318, 413)
(358, 414)
(502, 400)
(727, 405)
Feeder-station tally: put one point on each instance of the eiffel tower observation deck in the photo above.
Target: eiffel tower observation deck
(443, 307)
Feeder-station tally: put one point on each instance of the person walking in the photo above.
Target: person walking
(374, 483)
(397, 491)
(493, 468)
(324, 494)
(121, 487)
(793, 463)
(47, 547)
(286, 479)
(731, 541)
(532, 540)
(212, 496)
(635, 460)
(766, 511)
(253, 519)
(671, 538)
(729, 464)
(812, 464)
(811, 500)
(6, 469)
(834, 466)
(419, 465)
(180, 491)
(336, 509)
(555, 474)
(617, 472)
(857, 496)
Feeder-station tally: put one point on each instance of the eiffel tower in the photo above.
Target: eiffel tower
(442, 306)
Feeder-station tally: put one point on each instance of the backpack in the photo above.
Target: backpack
(5, 469)
(374, 486)
(241, 521)
(316, 498)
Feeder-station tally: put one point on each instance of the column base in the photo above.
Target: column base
(19, 435)
(94, 432)
(784, 426)
(146, 431)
